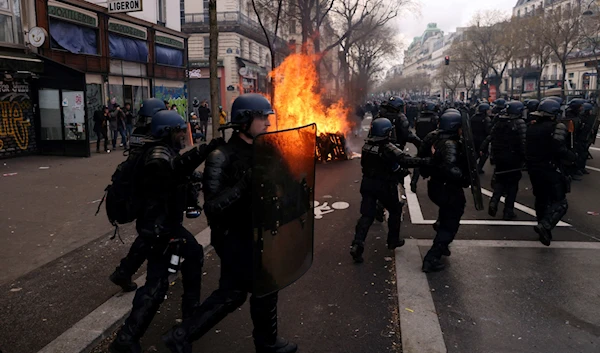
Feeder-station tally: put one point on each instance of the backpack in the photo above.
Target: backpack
(122, 195)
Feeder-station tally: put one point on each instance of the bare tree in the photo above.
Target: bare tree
(562, 34)
(369, 54)
(492, 42)
(590, 42)
(270, 41)
(534, 47)
(450, 77)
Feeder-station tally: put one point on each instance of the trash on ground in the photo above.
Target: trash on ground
(8, 174)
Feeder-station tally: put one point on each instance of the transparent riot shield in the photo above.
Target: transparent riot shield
(283, 182)
(471, 155)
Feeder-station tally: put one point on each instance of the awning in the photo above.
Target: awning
(251, 66)
(15, 61)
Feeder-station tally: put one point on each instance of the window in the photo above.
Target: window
(518, 13)
(571, 75)
(260, 54)
(206, 14)
(242, 48)
(292, 26)
(73, 38)
(206, 47)
(10, 22)
(162, 12)
(250, 51)
(182, 11)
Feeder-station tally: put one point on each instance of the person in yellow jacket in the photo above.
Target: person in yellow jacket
(222, 116)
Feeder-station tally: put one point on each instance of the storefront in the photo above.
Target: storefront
(199, 81)
(112, 57)
(17, 103)
(253, 78)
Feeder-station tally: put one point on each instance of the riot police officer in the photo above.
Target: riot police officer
(393, 110)
(532, 106)
(139, 249)
(481, 125)
(228, 207)
(426, 123)
(572, 120)
(546, 156)
(508, 155)
(122, 276)
(448, 176)
(159, 223)
(383, 166)
(498, 106)
(586, 136)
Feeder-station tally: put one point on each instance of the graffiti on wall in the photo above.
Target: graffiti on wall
(174, 95)
(16, 113)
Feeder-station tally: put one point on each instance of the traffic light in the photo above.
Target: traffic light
(447, 59)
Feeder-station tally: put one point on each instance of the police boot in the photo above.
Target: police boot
(121, 279)
(509, 215)
(445, 250)
(395, 243)
(432, 261)
(356, 251)
(264, 317)
(176, 341)
(544, 234)
(493, 208)
(125, 343)
(436, 225)
(413, 186)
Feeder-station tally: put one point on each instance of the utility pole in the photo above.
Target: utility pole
(214, 76)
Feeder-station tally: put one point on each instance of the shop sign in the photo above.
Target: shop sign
(127, 30)
(168, 41)
(116, 6)
(72, 15)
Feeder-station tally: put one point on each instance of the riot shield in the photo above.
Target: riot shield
(471, 155)
(283, 182)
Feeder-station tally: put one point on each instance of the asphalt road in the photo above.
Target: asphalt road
(491, 298)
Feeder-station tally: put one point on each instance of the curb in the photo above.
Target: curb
(101, 322)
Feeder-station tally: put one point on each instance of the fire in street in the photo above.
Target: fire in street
(298, 102)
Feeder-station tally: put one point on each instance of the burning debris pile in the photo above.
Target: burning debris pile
(297, 103)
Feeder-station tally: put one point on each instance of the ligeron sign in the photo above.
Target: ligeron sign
(115, 6)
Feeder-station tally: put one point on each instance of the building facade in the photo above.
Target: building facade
(244, 57)
(71, 57)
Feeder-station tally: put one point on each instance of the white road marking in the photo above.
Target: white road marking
(419, 323)
(595, 148)
(592, 168)
(416, 215)
(517, 244)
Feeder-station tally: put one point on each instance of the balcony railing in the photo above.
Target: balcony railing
(199, 22)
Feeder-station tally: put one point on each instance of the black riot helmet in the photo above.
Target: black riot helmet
(381, 130)
(451, 120)
(248, 105)
(483, 107)
(587, 107)
(576, 103)
(515, 108)
(555, 98)
(150, 107)
(549, 107)
(396, 103)
(532, 105)
(429, 106)
(499, 104)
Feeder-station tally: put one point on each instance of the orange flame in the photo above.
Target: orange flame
(297, 102)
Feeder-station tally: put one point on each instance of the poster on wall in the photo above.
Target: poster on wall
(16, 131)
(529, 85)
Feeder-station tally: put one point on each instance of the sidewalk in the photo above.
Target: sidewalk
(55, 253)
(48, 207)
